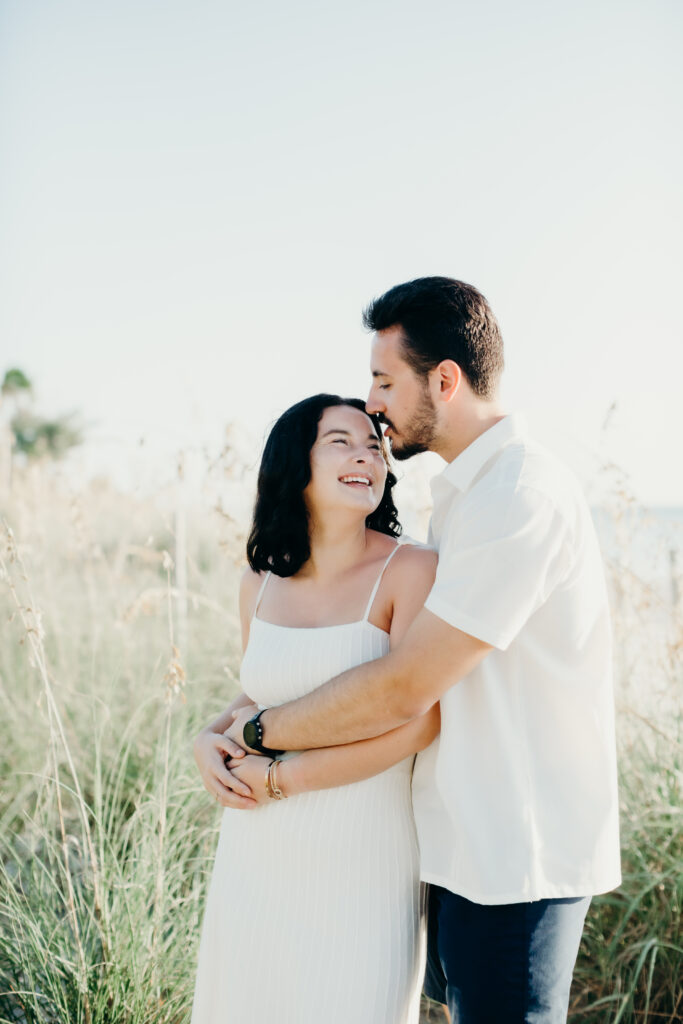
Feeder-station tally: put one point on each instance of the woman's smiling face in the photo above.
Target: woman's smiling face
(348, 467)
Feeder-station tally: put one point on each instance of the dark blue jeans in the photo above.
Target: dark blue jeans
(504, 964)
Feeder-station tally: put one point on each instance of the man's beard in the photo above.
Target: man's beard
(419, 433)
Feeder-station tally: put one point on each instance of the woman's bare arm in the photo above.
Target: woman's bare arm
(225, 719)
(351, 762)
(211, 745)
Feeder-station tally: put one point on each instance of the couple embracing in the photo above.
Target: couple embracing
(486, 653)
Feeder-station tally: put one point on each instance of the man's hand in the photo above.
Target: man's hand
(241, 717)
(210, 750)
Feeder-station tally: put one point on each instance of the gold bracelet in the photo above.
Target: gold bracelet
(279, 792)
(272, 787)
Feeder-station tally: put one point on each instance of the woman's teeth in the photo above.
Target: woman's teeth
(355, 480)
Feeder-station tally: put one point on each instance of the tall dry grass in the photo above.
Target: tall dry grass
(107, 837)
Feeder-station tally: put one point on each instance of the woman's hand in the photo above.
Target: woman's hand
(252, 769)
(210, 750)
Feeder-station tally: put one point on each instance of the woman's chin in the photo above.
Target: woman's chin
(357, 492)
(361, 502)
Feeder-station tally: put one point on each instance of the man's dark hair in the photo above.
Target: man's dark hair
(279, 538)
(441, 318)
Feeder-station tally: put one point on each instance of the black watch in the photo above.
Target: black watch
(252, 734)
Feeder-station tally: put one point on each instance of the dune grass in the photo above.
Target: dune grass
(106, 835)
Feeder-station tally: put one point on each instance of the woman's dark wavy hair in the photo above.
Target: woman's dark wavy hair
(279, 537)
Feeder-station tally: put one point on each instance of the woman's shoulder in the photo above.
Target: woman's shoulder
(414, 557)
(409, 579)
(388, 542)
(409, 559)
(250, 584)
(251, 579)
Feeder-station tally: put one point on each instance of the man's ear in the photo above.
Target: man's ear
(448, 379)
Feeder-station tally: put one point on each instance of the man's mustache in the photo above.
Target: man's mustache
(384, 421)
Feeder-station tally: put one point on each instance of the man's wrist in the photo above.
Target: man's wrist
(266, 716)
(263, 728)
(267, 722)
(253, 736)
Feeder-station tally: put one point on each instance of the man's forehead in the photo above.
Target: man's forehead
(387, 352)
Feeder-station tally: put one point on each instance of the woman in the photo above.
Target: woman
(313, 908)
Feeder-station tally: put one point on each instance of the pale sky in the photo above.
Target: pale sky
(198, 199)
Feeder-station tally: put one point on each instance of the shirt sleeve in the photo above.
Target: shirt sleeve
(499, 560)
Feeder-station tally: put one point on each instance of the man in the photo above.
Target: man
(516, 803)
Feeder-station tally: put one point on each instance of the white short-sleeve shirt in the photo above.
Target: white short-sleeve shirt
(517, 799)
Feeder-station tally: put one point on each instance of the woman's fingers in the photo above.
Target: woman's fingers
(228, 746)
(227, 798)
(230, 781)
(225, 786)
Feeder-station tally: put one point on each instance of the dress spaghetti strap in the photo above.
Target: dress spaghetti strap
(260, 594)
(373, 595)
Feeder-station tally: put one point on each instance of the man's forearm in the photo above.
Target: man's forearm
(378, 695)
(366, 701)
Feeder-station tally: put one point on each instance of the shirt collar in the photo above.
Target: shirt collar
(464, 468)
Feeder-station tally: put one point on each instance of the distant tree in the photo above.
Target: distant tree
(24, 432)
(15, 382)
(35, 436)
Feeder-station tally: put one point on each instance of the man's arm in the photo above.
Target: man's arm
(377, 696)
(507, 555)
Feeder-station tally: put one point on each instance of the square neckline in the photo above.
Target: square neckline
(333, 625)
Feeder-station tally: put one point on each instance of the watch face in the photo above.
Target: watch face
(251, 735)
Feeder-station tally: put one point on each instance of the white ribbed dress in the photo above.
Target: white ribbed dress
(313, 910)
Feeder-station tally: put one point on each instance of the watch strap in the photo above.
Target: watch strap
(252, 734)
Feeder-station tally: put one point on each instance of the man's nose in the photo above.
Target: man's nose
(373, 404)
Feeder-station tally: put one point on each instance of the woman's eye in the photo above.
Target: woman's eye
(384, 387)
(339, 440)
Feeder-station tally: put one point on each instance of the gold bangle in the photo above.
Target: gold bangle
(272, 787)
(279, 792)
